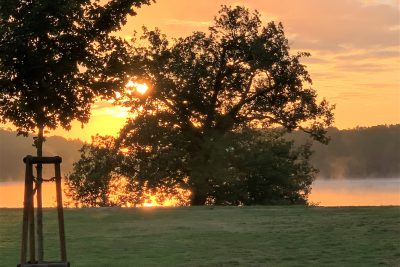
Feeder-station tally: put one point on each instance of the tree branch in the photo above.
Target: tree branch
(235, 109)
(216, 89)
(184, 120)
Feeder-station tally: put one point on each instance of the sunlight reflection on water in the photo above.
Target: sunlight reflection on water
(343, 192)
(12, 194)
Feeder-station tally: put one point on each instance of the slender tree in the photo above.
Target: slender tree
(53, 56)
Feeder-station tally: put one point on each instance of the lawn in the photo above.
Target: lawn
(218, 236)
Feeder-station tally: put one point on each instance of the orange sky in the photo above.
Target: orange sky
(355, 47)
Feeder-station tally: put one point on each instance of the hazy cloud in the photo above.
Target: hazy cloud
(343, 96)
(370, 55)
(337, 25)
(188, 23)
(363, 67)
(101, 105)
(377, 85)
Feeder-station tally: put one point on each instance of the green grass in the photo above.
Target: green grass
(220, 236)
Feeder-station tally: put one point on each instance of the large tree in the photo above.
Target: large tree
(207, 86)
(53, 56)
(253, 166)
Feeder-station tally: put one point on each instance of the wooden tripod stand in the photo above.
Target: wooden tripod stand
(28, 222)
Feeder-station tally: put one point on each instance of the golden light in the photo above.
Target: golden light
(141, 88)
(131, 87)
(130, 84)
(124, 150)
(118, 194)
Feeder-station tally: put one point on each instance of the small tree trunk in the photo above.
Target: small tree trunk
(39, 180)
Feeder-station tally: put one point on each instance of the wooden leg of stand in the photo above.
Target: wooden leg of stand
(31, 218)
(25, 216)
(61, 228)
(39, 214)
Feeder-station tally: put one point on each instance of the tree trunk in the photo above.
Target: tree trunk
(198, 175)
(39, 210)
(199, 196)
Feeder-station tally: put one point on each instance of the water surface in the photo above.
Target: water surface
(343, 192)
(356, 192)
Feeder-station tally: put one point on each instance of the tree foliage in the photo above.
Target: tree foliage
(95, 168)
(240, 74)
(52, 58)
(207, 90)
(244, 168)
(53, 54)
(103, 177)
(257, 167)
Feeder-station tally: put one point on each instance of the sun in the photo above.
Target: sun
(141, 88)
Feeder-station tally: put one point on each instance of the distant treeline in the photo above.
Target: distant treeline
(14, 148)
(358, 153)
(372, 152)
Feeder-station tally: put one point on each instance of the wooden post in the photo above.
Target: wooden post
(39, 213)
(39, 209)
(25, 217)
(32, 250)
(61, 228)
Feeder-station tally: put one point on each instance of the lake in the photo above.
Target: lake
(336, 192)
(356, 192)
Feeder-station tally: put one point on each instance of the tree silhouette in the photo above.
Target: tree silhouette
(53, 54)
(207, 88)
(238, 75)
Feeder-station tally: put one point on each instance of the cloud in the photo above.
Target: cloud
(311, 59)
(370, 54)
(311, 24)
(363, 67)
(351, 95)
(327, 25)
(188, 23)
(377, 85)
(105, 108)
(101, 105)
(394, 3)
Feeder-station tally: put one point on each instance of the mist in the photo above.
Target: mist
(371, 152)
(14, 148)
(351, 154)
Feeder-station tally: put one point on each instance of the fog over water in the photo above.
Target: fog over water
(356, 192)
(367, 153)
(332, 192)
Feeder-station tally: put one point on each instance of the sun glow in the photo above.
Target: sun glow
(132, 87)
(120, 196)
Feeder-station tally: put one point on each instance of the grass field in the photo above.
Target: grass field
(220, 236)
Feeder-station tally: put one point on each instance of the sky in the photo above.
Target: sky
(355, 47)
